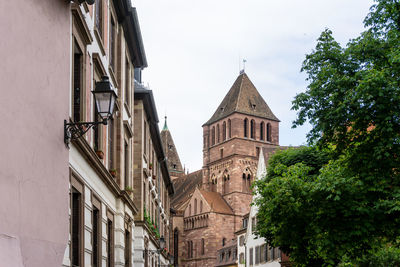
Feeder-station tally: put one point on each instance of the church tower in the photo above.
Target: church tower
(173, 161)
(242, 125)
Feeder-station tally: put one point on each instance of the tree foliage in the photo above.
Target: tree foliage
(339, 200)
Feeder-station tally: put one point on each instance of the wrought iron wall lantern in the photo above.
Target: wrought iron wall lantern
(104, 97)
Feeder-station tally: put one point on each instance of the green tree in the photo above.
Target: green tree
(342, 210)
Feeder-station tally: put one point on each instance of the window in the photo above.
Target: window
(269, 132)
(229, 129)
(202, 246)
(257, 250)
(113, 44)
(190, 209)
(262, 253)
(96, 232)
(245, 221)
(223, 241)
(99, 17)
(76, 223)
(218, 134)
(128, 250)
(110, 239)
(97, 131)
(195, 206)
(245, 126)
(226, 184)
(77, 90)
(127, 83)
(110, 142)
(126, 162)
(252, 129)
(201, 206)
(144, 137)
(241, 258)
(262, 131)
(221, 152)
(224, 131)
(271, 253)
(176, 247)
(213, 136)
(241, 240)
(221, 256)
(257, 151)
(251, 256)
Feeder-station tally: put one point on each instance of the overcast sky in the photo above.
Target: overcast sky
(194, 48)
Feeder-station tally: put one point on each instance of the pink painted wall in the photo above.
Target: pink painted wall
(34, 98)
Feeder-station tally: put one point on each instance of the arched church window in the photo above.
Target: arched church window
(201, 206)
(252, 129)
(224, 131)
(218, 134)
(229, 129)
(195, 206)
(268, 132)
(213, 136)
(262, 130)
(245, 126)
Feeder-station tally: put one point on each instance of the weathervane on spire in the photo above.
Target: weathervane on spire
(244, 66)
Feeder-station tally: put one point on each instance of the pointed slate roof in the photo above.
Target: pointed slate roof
(173, 160)
(243, 97)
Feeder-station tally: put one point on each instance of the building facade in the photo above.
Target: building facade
(152, 184)
(254, 251)
(242, 126)
(105, 41)
(35, 49)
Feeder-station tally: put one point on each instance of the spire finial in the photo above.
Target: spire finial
(165, 124)
(244, 66)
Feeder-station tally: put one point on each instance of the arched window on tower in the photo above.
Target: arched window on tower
(248, 182)
(269, 132)
(226, 184)
(262, 130)
(195, 206)
(224, 131)
(218, 134)
(244, 183)
(201, 206)
(229, 129)
(245, 127)
(252, 129)
(213, 136)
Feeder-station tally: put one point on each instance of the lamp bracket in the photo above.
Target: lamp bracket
(75, 130)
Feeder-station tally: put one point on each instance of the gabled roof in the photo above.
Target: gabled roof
(243, 97)
(216, 202)
(184, 187)
(173, 160)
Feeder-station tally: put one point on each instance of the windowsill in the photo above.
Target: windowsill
(112, 74)
(99, 41)
(127, 108)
